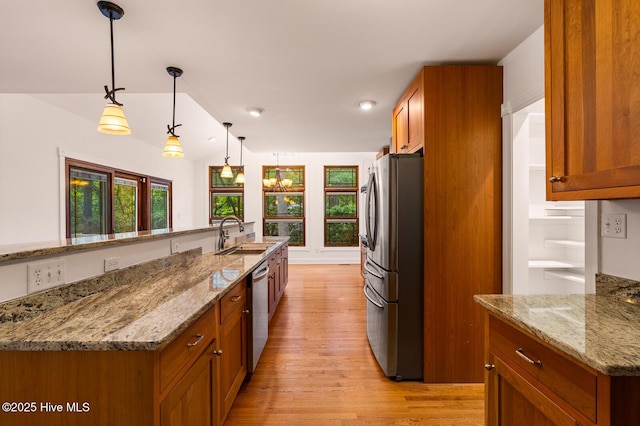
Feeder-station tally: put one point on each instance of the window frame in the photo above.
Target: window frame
(346, 191)
(144, 194)
(294, 190)
(239, 190)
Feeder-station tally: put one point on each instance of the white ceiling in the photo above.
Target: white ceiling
(307, 63)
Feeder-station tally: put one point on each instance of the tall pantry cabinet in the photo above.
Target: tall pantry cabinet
(460, 136)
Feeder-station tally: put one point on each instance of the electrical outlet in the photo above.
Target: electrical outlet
(613, 225)
(175, 247)
(111, 264)
(45, 275)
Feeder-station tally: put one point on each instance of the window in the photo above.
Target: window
(226, 197)
(103, 200)
(283, 203)
(341, 206)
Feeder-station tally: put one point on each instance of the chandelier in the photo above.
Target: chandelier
(277, 183)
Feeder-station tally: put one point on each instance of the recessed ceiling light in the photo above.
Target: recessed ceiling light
(366, 105)
(256, 112)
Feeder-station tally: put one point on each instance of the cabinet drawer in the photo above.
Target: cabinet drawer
(186, 348)
(560, 375)
(233, 300)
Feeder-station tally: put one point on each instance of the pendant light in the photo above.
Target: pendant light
(226, 170)
(113, 121)
(240, 175)
(172, 148)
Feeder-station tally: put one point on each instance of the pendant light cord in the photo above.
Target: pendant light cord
(111, 94)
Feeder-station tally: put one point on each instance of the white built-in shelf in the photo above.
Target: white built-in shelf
(557, 217)
(536, 167)
(564, 243)
(576, 208)
(565, 275)
(554, 264)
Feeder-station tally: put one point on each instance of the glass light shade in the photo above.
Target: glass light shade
(240, 177)
(113, 121)
(172, 148)
(272, 182)
(226, 171)
(266, 182)
(287, 182)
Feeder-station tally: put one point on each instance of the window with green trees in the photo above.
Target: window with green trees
(341, 206)
(103, 200)
(284, 202)
(226, 196)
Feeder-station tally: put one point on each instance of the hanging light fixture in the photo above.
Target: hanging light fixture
(240, 175)
(172, 148)
(113, 121)
(277, 184)
(226, 170)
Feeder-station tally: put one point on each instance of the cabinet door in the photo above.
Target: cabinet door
(592, 99)
(400, 127)
(192, 400)
(415, 103)
(233, 361)
(513, 400)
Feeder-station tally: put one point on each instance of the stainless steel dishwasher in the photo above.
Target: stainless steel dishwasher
(258, 327)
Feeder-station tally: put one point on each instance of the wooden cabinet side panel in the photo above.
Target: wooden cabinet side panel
(120, 387)
(462, 215)
(233, 362)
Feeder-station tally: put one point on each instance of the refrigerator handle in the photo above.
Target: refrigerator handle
(366, 268)
(364, 289)
(371, 231)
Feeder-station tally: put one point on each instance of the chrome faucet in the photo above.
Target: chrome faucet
(222, 237)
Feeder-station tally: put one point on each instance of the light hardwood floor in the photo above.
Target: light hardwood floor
(317, 368)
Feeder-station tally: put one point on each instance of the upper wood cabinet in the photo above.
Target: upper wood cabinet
(592, 49)
(408, 118)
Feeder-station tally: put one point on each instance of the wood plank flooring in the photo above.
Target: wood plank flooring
(317, 368)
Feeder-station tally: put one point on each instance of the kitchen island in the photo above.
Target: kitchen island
(562, 359)
(135, 346)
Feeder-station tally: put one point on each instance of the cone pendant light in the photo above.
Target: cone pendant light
(240, 175)
(113, 121)
(172, 148)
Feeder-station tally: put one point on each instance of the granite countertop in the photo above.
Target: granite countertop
(138, 308)
(601, 330)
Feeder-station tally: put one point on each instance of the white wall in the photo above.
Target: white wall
(617, 256)
(32, 133)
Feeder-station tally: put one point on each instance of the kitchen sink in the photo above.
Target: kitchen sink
(251, 249)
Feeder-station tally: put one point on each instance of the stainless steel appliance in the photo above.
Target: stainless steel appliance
(394, 264)
(258, 326)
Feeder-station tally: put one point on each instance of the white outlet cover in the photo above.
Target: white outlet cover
(45, 275)
(613, 225)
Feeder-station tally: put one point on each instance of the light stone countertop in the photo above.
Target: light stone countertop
(602, 331)
(138, 308)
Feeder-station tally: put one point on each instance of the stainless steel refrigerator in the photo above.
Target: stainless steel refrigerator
(394, 264)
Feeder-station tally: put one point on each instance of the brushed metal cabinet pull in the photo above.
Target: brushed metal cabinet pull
(218, 352)
(199, 338)
(236, 298)
(554, 179)
(521, 354)
(489, 367)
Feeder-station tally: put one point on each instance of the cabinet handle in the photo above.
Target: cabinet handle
(554, 179)
(405, 146)
(246, 311)
(489, 366)
(199, 338)
(236, 298)
(521, 354)
(218, 352)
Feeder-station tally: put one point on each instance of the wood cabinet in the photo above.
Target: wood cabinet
(591, 95)
(193, 400)
(233, 343)
(462, 214)
(176, 385)
(529, 382)
(408, 119)
(278, 276)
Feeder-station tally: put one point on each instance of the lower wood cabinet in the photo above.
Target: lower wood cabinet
(233, 343)
(193, 400)
(278, 276)
(529, 382)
